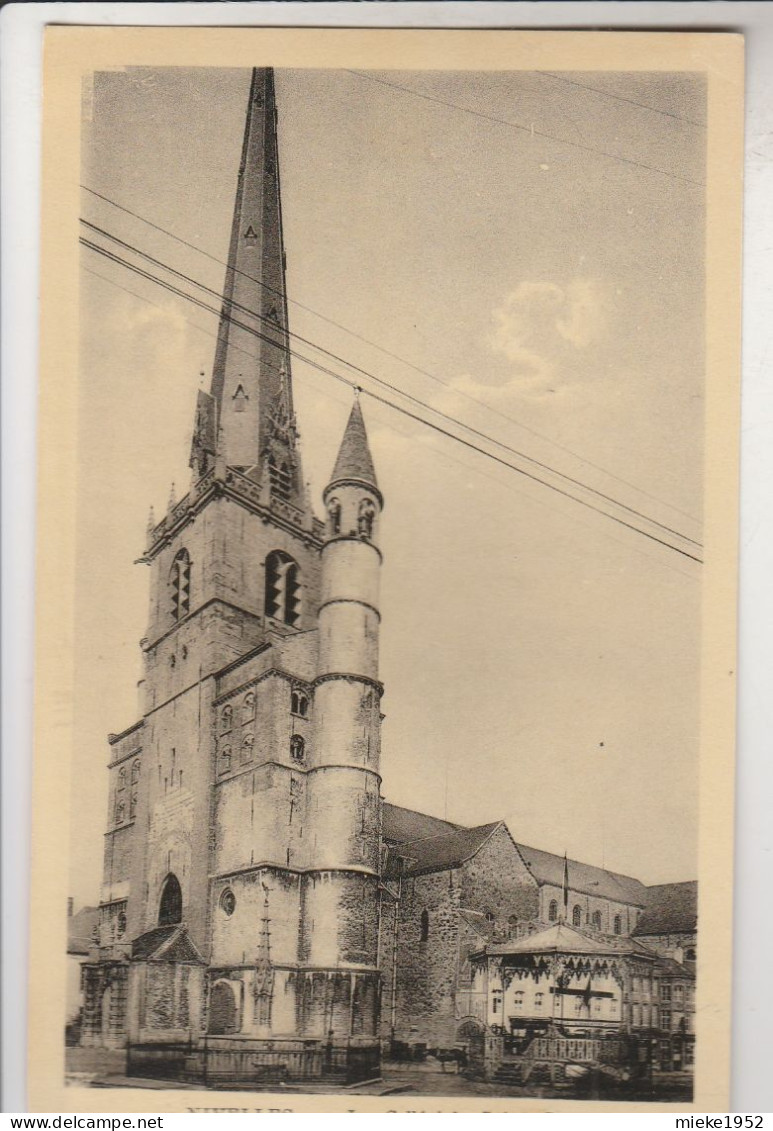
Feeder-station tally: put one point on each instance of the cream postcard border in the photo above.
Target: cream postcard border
(71, 52)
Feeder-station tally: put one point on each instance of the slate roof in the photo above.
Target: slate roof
(671, 968)
(446, 850)
(354, 459)
(166, 944)
(560, 938)
(670, 909)
(80, 930)
(400, 825)
(547, 868)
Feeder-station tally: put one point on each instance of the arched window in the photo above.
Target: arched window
(552, 910)
(135, 771)
(576, 915)
(246, 750)
(248, 707)
(225, 760)
(120, 812)
(366, 516)
(120, 923)
(170, 907)
(122, 778)
(226, 719)
(512, 926)
(334, 515)
(283, 588)
(299, 704)
(133, 805)
(223, 1012)
(689, 954)
(180, 585)
(297, 748)
(617, 926)
(424, 924)
(596, 920)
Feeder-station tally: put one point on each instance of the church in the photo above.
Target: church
(264, 914)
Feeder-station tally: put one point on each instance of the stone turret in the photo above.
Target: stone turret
(343, 793)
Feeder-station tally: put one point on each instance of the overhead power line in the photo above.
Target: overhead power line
(380, 398)
(526, 129)
(393, 425)
(392, 388)
(620, 98)
(388, 353)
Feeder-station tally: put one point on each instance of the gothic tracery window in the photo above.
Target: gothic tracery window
(553, 910)
(576, 915)
(297, 748)
(617, 925)
(180, 585)
(225, 760)
(283, 588)
(135, 771)
(226, 719)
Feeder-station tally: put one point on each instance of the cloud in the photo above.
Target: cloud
(536, 322)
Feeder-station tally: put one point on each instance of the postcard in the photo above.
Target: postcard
(386, 604)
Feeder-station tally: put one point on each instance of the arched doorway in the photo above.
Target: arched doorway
(170, 907)
(223, 1010)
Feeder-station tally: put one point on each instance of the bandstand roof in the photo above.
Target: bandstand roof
(560, 938)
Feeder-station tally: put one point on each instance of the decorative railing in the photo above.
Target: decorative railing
(243, 486)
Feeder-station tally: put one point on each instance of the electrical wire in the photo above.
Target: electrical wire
(266, 320)
(388, 353)
(223, 313)
(528, 129)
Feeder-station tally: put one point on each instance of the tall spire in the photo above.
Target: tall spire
(247, 417)
(354, 463)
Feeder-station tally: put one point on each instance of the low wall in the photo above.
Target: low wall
(227, 1062)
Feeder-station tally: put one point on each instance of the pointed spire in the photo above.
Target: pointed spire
(354, 460)
(151, 521)
(172, 497)
(251, 392)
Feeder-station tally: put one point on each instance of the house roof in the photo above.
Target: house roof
(547, 868)
(446, 850)
(400, 825)
(670, 909)
(80, 930)
(166, 944)
(673, 969)
(560, 938)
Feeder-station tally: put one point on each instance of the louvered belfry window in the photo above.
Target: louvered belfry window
(283, 588)
(180, 582)
(281, 478)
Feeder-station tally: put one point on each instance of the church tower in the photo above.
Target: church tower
(239, 909)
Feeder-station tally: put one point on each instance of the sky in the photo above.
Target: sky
(522, 251)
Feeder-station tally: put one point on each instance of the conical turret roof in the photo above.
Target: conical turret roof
(354, 459)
